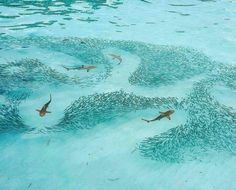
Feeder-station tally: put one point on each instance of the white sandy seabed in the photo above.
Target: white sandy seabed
(104, 157)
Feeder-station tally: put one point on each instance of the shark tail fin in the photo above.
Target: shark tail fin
(113, 57)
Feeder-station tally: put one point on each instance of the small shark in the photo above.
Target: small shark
(161, 116)
(118, 57)
(82, 67)
(43, 110)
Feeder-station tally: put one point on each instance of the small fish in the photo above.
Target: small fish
(118, 57)
(180, 31)
(146, 1)
(183, 14)
(48, 143)
(82, 67)
(43, 110)
(134, 150)
(113, 22)
(65, 40)
(82, 42)
(150, 22)
(161, 116)
(113, 179)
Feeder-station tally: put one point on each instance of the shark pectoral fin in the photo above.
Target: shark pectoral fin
(168, 117)
(48, 112)
(37, 110)
(146, 120)
(65, 68)
(87, 70)
(162, 113)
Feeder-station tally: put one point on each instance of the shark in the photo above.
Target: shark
(161, 116)
(82, 67)
(43, 110)
(118, 57)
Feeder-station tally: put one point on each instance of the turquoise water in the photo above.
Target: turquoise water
(176, 55)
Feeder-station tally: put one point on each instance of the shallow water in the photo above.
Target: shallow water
(175, 55)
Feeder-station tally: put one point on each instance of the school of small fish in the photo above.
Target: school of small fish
(210, 125)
